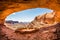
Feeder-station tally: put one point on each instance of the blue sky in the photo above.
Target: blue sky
(28, 15)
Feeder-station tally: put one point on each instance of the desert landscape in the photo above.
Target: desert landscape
(14, 25)
(39, 29)
(43, 27)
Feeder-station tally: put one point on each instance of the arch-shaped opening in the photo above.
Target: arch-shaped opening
(22, 19)
(21, 6)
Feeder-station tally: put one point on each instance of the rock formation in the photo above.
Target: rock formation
(47, 33)
(51, 32)
(45, 20)
(44, 27)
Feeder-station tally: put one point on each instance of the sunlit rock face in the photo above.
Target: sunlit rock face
(7, 7)
(47, 26)
(47, 19)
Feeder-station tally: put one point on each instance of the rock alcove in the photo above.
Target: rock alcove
(8, 7)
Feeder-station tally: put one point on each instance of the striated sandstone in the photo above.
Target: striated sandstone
(47, 19)
(52, 32)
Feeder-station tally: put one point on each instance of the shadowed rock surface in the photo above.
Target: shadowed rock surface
(52, 32)
(45, 33)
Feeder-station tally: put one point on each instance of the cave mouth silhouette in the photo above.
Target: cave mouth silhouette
(23, 18)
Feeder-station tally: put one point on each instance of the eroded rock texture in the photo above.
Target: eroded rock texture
(51, 32)
(47, 19)
(47, 29)
(45, 33)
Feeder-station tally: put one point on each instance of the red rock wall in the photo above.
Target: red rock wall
(46, 33)
(7, 7)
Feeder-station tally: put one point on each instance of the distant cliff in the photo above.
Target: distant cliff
(47, 19)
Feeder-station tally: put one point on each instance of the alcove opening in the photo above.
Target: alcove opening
(22, 19)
